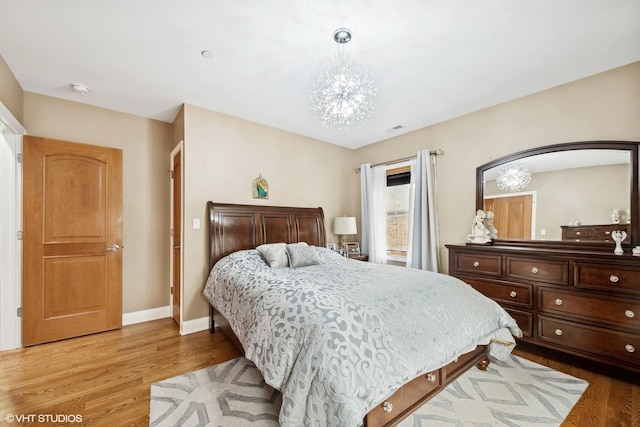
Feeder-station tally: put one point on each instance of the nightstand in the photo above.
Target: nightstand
(361, 257)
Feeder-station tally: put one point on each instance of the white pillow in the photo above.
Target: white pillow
(275, 254)
(302, 255)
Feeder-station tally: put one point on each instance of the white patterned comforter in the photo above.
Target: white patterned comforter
(340, 337)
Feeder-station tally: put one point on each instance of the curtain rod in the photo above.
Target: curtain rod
(437, 152)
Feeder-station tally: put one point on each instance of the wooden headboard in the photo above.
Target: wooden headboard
(237, 227)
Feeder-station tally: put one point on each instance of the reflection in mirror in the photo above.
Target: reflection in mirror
(564, 190)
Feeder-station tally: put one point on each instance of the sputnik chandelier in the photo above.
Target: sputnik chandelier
(513, 177)
(342, 94)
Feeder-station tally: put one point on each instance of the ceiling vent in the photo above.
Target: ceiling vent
(393, 129)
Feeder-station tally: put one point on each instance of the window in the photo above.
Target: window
(398, 195)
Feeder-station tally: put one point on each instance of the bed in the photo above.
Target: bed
(344, 342)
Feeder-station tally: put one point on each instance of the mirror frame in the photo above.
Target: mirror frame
(630, 146)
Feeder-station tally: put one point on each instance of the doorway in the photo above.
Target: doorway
(514, 215)
(11, 132)
(176, 233)
(72, 240)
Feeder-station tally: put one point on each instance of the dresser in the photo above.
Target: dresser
(586, 303)
(593, 233)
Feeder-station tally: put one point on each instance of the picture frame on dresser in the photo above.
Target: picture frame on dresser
(573, 294)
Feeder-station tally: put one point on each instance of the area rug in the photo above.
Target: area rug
(512, 393)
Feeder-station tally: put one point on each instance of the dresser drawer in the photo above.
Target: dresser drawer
(577, 233)
(506, 293)
(620, 312)
(523, 319)
(606, 277)
(486, 265)
(547, 271)
(590, 339)
(404, 397)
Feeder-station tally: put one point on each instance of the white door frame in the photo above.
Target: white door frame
(11, 132)
(174, 153)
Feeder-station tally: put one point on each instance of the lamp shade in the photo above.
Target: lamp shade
(344, 225)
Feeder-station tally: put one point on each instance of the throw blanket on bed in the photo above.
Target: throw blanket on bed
(338, 338)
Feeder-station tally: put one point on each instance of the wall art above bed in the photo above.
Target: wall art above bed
(260, 188)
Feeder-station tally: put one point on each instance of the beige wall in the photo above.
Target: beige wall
(224, 154)
(178, 127)
(146, 146)
(601, 107)
(11, 92)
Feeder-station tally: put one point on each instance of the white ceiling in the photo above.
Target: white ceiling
(432, 60)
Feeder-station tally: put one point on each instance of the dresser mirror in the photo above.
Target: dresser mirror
(573, 194)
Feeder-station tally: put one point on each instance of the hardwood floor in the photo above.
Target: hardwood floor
(105, 378)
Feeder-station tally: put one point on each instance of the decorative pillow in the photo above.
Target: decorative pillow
(275, 254)
(302, 255)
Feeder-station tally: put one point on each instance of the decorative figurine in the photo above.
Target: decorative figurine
(479, 233)
(618, 237)
(488, 223)
(615, 217)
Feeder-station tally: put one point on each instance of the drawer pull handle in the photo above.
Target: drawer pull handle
(476, 264)
(629, 314)
(431, 377)
(534, 270)
(577, 233)
(630, 348)
(513, 294)
(558, 301)
(387, 406)
(607, 232)
(613, 278)
(558, 332)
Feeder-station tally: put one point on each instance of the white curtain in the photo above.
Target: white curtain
(373, 189)
(422, 251)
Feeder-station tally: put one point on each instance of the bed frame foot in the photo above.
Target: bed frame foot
(483, 364)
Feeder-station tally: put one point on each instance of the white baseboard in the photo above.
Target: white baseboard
(146, 315)
(187, 327)
(195, 325)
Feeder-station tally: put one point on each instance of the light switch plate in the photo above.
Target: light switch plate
(196, 223)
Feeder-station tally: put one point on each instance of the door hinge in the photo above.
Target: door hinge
(19, 157)
(19, 235)
(171, 174)
(19, 313)
(172, 232)
(171, 291)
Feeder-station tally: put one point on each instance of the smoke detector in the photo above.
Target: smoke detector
(80, 88)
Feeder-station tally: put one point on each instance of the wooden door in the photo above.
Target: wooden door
(513, 215)
(177, 238)
(72, 263)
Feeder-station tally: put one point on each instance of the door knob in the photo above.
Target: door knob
(114, 248)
